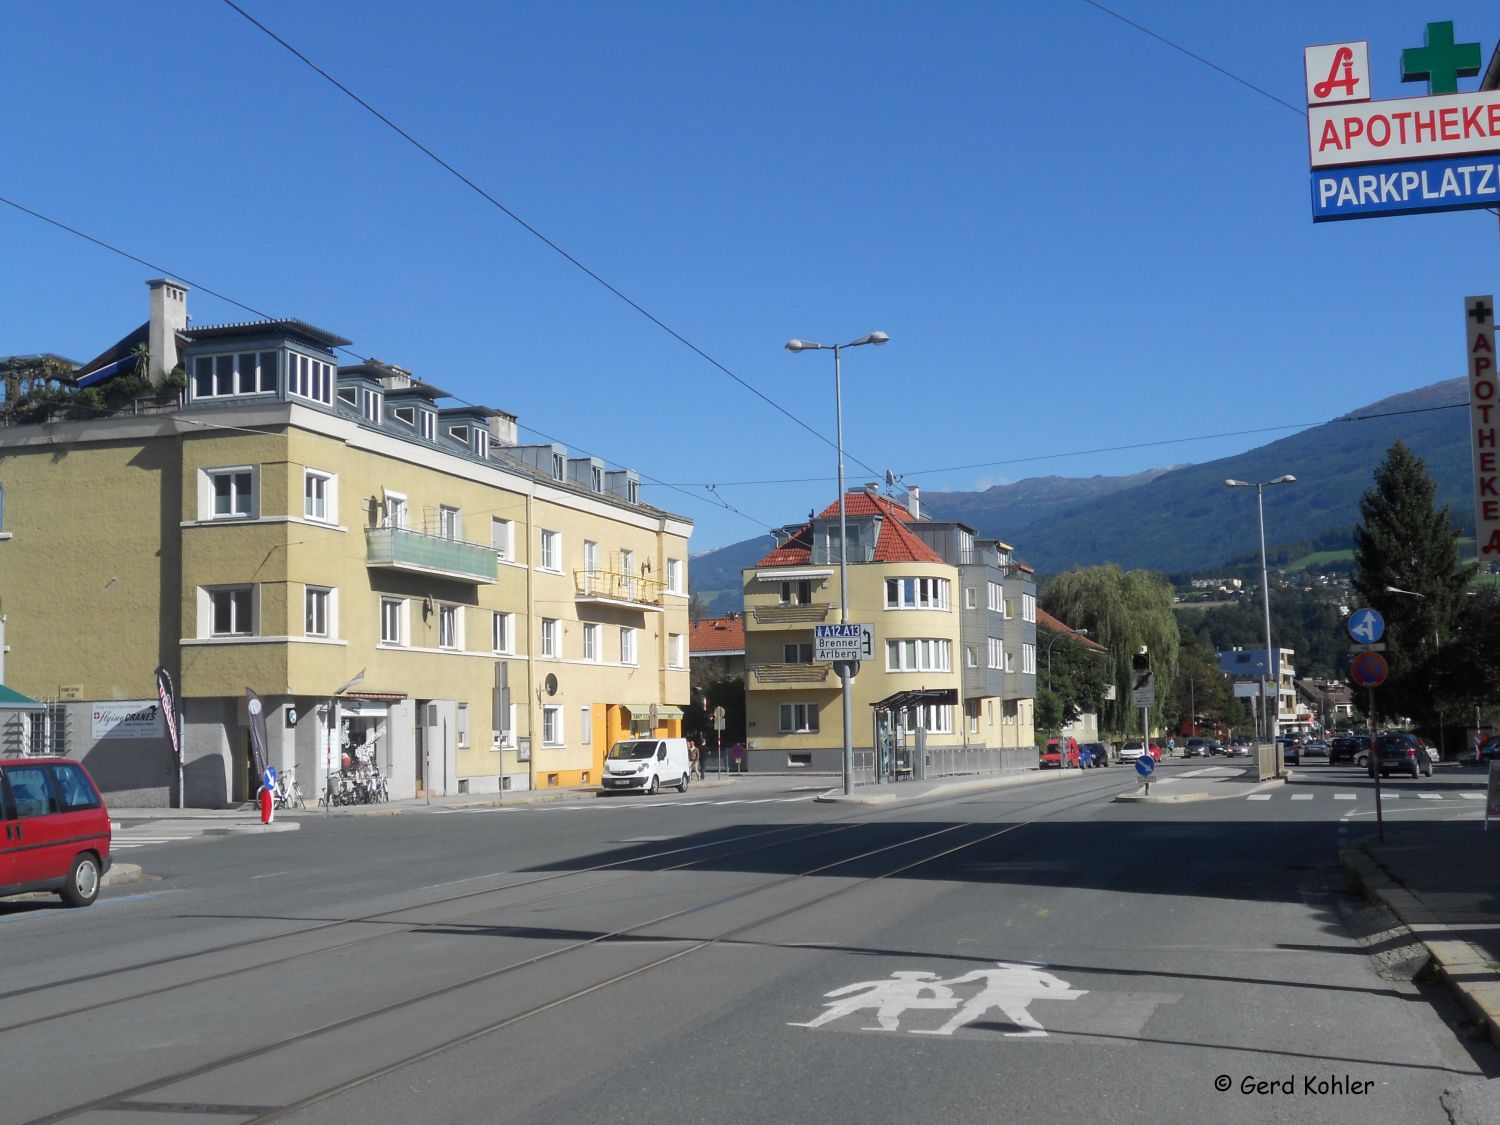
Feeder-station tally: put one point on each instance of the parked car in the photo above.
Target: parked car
(1347, 749)
(56, 829)
(1060, 753)
(1132, 751)
(1400, 752)
(1488, 751)
(646, 764)
(1315, 748)
(1098, 751)
(1195, 748)
(1429, 747)
(1291, 751)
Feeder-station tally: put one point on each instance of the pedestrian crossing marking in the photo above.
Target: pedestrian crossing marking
(1344, 796)
(1430, 796)
(1472, 796)
(1259, 797)
(1302, 796)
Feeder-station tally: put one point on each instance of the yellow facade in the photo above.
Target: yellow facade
(111, 557)
(772, 681)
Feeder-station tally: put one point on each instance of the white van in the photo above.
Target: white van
(647, 764)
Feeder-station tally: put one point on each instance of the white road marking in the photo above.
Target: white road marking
(1259, 797)
(1472, 796)
(1430, 796)
(1345, 796)
(1302, 796)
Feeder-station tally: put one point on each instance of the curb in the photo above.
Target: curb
(121, 873)
(255, 829)
(1464, 968)
(1182, 798)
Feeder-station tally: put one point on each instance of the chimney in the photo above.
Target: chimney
(914, 502)
(503, 429)
(872, 488)
(168, 317)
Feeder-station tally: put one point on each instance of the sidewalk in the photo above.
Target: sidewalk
(1442, 880)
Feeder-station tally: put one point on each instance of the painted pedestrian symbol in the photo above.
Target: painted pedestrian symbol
(902, 992)
(1009, 988)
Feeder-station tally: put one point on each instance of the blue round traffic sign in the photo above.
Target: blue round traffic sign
(1145, 765)
(1366, 626)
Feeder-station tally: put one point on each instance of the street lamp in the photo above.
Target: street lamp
(1052, 641)
(1437, 643)
(838, 406)
(1274, 713)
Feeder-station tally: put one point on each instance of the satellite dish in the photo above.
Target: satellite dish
(890, 479)
(549, 685)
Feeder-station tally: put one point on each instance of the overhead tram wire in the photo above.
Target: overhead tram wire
(526, 226)
(715, 500)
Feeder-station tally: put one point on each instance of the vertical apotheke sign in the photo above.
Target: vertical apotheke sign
(1484, 427)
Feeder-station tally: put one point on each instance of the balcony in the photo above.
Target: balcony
(619, 588)
(396, 548)
(775, 676)
(791, 614)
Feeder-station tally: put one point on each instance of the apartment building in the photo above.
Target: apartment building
(954, 653)
(397, 578)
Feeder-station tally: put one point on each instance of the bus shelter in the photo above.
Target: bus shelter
(900, 732)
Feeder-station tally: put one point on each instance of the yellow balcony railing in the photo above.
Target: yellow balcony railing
(618, 586)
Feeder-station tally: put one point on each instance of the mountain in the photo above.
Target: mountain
(1183, 518)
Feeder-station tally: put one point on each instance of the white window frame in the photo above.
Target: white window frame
(450, 627)
(591, 641)
(797, 718)
(394, 621)
(919, 654)
(549, 554)
(241, 600)
(674, 650)
(325, 599)
(996, 653)
(674, 576)
(208, 492)
(552, 725)
(627, 645)
(1028, 607)
(918, 593)
(427, 424)
(503, 538)
(309, 378)
(319, 487)
(936, 718)
(396, 510)
(797, 652)
(997, 597)
(551, 642)
(450, 522)
(590, 558)
(968, 597)
(502, 633)
(1028, 659)
(226, 374)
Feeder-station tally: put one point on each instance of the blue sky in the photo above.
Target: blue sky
(1076, 236)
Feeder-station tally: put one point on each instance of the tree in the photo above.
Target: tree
(1402, 541)
(1201, 693)
(1071, 679)
(1122, 611)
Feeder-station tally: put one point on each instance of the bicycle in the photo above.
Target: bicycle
(288, 794)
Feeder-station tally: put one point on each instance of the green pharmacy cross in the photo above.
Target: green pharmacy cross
(1441, 62)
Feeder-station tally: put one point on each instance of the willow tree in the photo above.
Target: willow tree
(1123, 611)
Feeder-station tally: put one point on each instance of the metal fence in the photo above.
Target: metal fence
(946, 761)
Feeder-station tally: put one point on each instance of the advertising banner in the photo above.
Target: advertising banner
(128, 718)
(257, 731)
(168, 708)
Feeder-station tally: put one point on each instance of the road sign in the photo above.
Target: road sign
(1144, 692)
(718, 718)
(1368, 648)
(1145, 765)
(1368, 669)
(1366, 626)
(833, 643)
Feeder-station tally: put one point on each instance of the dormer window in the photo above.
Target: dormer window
(349, 395)
(482, 442)
(309, 378)
(407, 415)
(245, 373)
(427, 424)
(372, 403)
(633, 491)
(597, 479)
(558, 466)
(459, 434)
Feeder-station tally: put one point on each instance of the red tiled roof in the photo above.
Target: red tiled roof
(1053, 625)
(896, 543)
(717, 634)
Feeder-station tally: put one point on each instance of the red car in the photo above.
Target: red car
(1061, 753)
(54, 829)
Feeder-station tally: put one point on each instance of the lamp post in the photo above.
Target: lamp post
(1437, 643)
(838, 406)
(1273, 712)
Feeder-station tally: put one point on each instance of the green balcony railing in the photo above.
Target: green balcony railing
(400, 549)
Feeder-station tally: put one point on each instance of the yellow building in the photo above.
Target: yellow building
(399, 581)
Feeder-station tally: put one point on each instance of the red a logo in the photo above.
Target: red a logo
(1344, 58)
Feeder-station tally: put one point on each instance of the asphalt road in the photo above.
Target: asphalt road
(1030, 954)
